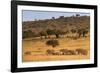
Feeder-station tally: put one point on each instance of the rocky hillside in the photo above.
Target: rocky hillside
(61, 23)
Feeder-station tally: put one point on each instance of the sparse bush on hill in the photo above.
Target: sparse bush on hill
(57, 27)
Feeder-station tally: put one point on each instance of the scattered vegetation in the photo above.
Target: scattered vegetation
(56, 36)
(58, 27)
(67, 52)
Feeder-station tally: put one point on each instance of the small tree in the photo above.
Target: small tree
(73, 31)
(79, 32)
(28, 34)
(82, 32)
(43, 33)
(85, 32)
(52, 43)
(77, 15)
(50, 32)
(53, 18)
(57, 33)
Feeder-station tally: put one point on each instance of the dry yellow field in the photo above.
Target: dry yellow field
(35, 50)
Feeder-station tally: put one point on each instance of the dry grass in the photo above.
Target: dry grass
(35, 50)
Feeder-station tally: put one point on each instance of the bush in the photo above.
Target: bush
(43, 33)
(28, 34)
(28, 53)
(50, 52)
(52, 43)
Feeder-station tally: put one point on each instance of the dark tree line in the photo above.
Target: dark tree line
(57, 33)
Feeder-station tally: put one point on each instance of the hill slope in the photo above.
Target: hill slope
(61, 23)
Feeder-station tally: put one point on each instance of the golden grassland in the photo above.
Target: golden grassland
(37, 49)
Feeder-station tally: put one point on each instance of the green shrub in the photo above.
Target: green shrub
(52, 43)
